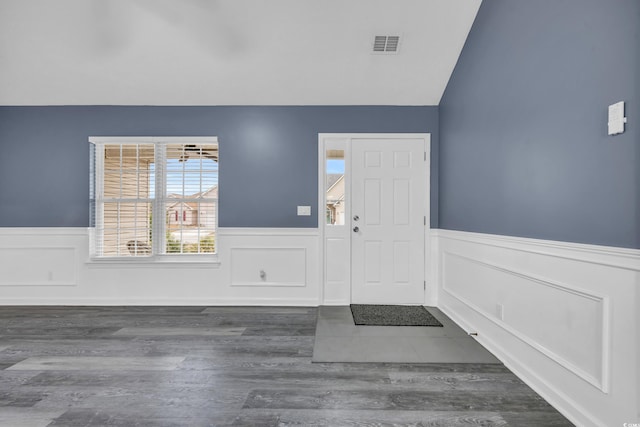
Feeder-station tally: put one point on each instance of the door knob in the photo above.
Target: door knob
(356, 229)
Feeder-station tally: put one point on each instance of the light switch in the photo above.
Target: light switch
(304, 210)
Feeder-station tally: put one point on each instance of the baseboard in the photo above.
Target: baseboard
(160, 302)
(336, 302)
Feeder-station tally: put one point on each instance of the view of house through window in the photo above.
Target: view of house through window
(154, 198)
(334, 186)
(191, 198)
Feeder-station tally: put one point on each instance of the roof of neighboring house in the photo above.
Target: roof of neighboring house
(332, 179)
(186, 205)
(211, 193)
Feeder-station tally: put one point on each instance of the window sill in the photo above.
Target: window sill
(168, 261)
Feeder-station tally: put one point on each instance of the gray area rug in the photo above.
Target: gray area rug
(392, 315)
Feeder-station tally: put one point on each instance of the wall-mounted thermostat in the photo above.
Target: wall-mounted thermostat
(616, 118)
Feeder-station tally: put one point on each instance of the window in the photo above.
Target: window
(334, 185)
(154, 196)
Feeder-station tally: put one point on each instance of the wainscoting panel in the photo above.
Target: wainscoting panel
(53, 266)
(562, 316)
(39, 257)
(539, 312)
(268, 267)
(337, 275)
(38, 266)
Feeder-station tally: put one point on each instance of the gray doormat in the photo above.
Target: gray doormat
(392, 315)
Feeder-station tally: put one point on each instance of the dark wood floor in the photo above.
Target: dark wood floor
(230, 366)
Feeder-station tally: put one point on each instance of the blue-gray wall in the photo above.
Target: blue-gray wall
(524, 149)
(269, 156)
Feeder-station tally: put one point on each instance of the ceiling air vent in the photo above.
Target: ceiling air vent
(386, 44)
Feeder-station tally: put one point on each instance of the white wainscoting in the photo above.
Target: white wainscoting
(53, 262)
(52, 266)
(562, 316)
(268, 267)
(57, 266)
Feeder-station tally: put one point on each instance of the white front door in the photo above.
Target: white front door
(388, 215)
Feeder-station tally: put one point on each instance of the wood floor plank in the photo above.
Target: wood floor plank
(28, 417)
(410, 400)
(60, 331)
(505, 382)
(92, 417)
(536, 419)
(279, 331)
(23, 398)
(168, 332)
(167, 401)
(66, 363)
(252, 310)
(382, 418)
(232, 366)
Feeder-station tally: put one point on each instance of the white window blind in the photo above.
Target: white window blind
(154, 196)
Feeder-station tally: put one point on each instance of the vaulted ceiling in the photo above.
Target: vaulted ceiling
(228, 52)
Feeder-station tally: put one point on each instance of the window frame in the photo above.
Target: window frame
(159, 228)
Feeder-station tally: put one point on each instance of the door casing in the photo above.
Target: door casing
(335, 247)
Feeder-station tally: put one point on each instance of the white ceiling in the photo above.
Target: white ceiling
(228, 52)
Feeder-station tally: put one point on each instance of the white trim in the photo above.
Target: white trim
(430, 292)
(120, 282)
(159, 261)
(262, 250)
(158, 203)
(251, 231)
(73, 282)
(321, 215)
(375, 135)
(548, 391)
(601, 383)
(335, 302)
(152, 139)
(593, 384)
(44, 231)
(434, 269)
(34, 284)
(340, 142)
(429, 286)
(306, 302)
(267, 284)
(620, 257)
